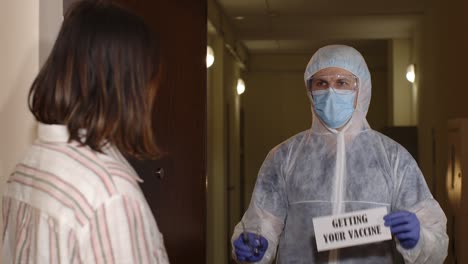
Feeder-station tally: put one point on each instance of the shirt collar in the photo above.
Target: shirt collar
(60, 134)
(53, 133)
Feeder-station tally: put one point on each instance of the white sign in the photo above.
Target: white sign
(351, 229)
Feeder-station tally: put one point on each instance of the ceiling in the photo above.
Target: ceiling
(298, 26)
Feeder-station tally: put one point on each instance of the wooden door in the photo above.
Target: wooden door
(178, 198)
(175, 185)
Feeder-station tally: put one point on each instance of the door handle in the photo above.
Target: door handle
(160, 173)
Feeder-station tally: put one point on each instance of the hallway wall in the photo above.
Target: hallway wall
(401, 96)
(216, 149)
(276, 108)
(224, 136)
(442, 55)
(224, 106)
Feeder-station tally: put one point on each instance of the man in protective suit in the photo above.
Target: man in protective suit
(339, 165)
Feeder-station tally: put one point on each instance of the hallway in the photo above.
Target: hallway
(220, 122)
(271, 41)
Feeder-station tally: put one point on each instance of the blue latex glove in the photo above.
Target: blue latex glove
(405, 226)
(250, 248)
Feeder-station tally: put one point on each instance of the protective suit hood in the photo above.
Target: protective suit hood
(350, 59)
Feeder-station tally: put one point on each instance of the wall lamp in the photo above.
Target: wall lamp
(410, 73)
(240, 86)
(209, 56)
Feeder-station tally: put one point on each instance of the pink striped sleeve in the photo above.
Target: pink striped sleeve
(54, 243)
(120, 233)
(6, 214)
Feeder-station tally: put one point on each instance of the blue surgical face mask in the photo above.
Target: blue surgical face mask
(334, 109)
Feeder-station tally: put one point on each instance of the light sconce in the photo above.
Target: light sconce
(240, 86)
(209, 56)
(410, 73)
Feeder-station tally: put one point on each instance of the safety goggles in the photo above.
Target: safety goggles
(339, 82)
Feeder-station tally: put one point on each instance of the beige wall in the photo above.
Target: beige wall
(50, 19)
(28, 30)
(442, 58)
(19, 63)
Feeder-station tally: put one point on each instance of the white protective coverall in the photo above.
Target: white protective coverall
(322, 171)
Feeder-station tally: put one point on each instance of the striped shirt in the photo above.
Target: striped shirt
(66, 203)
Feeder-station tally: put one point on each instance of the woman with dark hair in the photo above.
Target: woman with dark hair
(74, 198)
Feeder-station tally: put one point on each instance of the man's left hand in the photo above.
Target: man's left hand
(405, 226)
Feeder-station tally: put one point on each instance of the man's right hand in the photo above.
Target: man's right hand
(250, 247)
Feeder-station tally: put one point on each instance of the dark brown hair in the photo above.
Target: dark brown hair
(101, 76)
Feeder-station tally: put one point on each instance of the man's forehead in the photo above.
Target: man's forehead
(332, 71)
